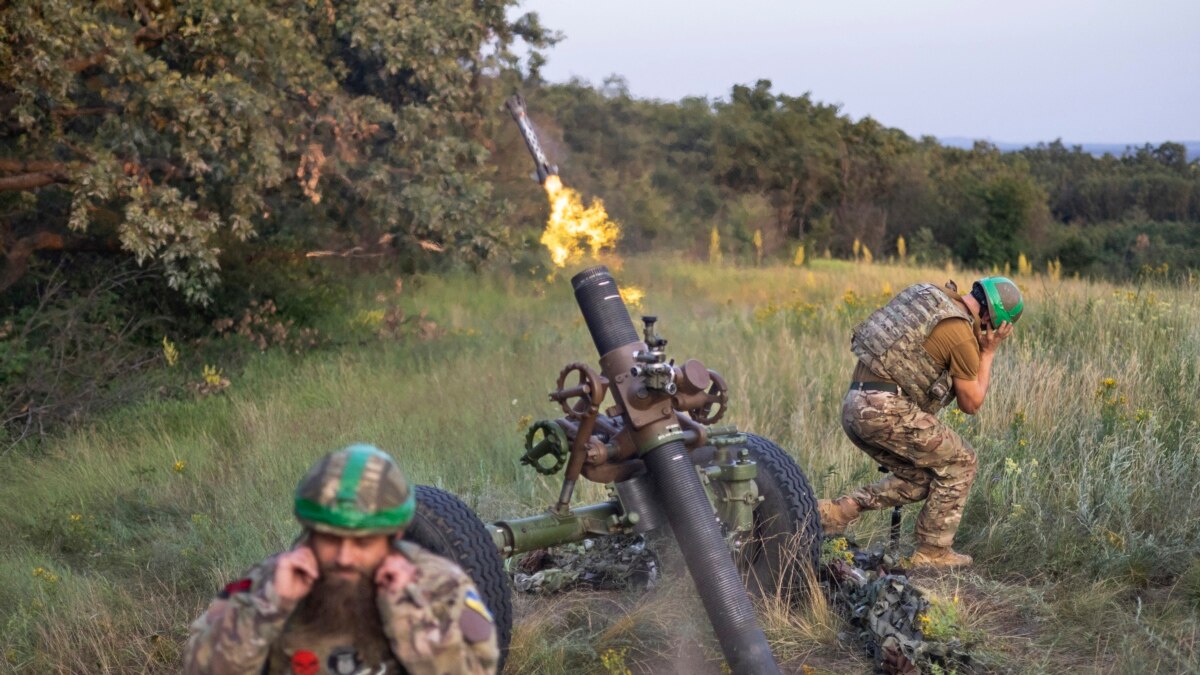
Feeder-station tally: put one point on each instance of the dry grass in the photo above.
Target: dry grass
(646, 632)
(1085, 559)
(802, 626)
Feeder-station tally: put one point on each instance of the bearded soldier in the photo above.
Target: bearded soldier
(925, 348)
(351, 597)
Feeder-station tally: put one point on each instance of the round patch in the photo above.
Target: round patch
(343, 661)
(305, 662)
(475, 620)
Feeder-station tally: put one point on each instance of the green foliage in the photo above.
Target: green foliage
(1157, 181)
(1123, 250)
(80, 348)
(944, 621)
(779, 146)
(213, 145)
(166, 129)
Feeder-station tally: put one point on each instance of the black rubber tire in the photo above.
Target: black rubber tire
(787, 528)
(446, 526)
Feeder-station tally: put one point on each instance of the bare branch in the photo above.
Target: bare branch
(26, 165)
(82, 64)
(29, 181)
(82, 112)
(147, 36)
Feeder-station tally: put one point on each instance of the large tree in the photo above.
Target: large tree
(163, 128)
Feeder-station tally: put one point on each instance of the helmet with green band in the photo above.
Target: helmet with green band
(1004, 301)
(355, 492)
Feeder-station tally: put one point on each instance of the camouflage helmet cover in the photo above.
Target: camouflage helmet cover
(354, 492)
(1000, 297)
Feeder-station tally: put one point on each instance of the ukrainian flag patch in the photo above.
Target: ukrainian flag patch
(476, 603)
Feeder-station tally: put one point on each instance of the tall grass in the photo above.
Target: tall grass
(1088, 445)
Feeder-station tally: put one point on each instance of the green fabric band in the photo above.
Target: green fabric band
(345, 515)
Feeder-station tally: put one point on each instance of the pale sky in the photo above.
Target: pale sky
(1103, 71)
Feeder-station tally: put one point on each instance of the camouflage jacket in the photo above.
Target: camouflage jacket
(436, 624)
(891, 343)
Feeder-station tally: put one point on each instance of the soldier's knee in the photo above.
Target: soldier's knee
(958, 467)
(918, 493)
(966, 465)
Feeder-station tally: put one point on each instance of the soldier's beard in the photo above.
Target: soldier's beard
(342, 603)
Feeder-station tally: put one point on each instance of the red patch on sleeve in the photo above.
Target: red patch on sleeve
(305, 662)
(239, 586)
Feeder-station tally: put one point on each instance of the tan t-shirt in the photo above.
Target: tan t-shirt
(951, 343)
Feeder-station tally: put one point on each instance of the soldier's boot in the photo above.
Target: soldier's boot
(837, 514)
(940, 557)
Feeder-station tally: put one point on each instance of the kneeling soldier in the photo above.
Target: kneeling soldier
(925, 348)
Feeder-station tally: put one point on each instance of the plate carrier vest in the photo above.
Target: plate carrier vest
(891, 343)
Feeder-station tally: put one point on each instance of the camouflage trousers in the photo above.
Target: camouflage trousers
(927, 460)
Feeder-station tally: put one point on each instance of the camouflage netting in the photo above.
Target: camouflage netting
(605, 563)
(885, 611)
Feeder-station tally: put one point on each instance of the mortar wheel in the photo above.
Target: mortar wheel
(444, 525)
(784, 553)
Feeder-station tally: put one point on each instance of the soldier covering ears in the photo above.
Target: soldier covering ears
(351, 597)
(926, 347)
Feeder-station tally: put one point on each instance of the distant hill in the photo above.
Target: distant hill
(1098, 149)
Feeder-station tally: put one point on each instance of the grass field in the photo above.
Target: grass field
(1083, 518)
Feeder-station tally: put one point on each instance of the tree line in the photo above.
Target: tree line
(800, 172)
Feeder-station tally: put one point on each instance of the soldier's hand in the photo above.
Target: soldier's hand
(991, 338)
(395, 572)
(295, 573)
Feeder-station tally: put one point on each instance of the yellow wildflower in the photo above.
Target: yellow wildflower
(369, 318)
(1114, 539)
(45, 575)
(170, 352)
(212, 376)
(1011, 468)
